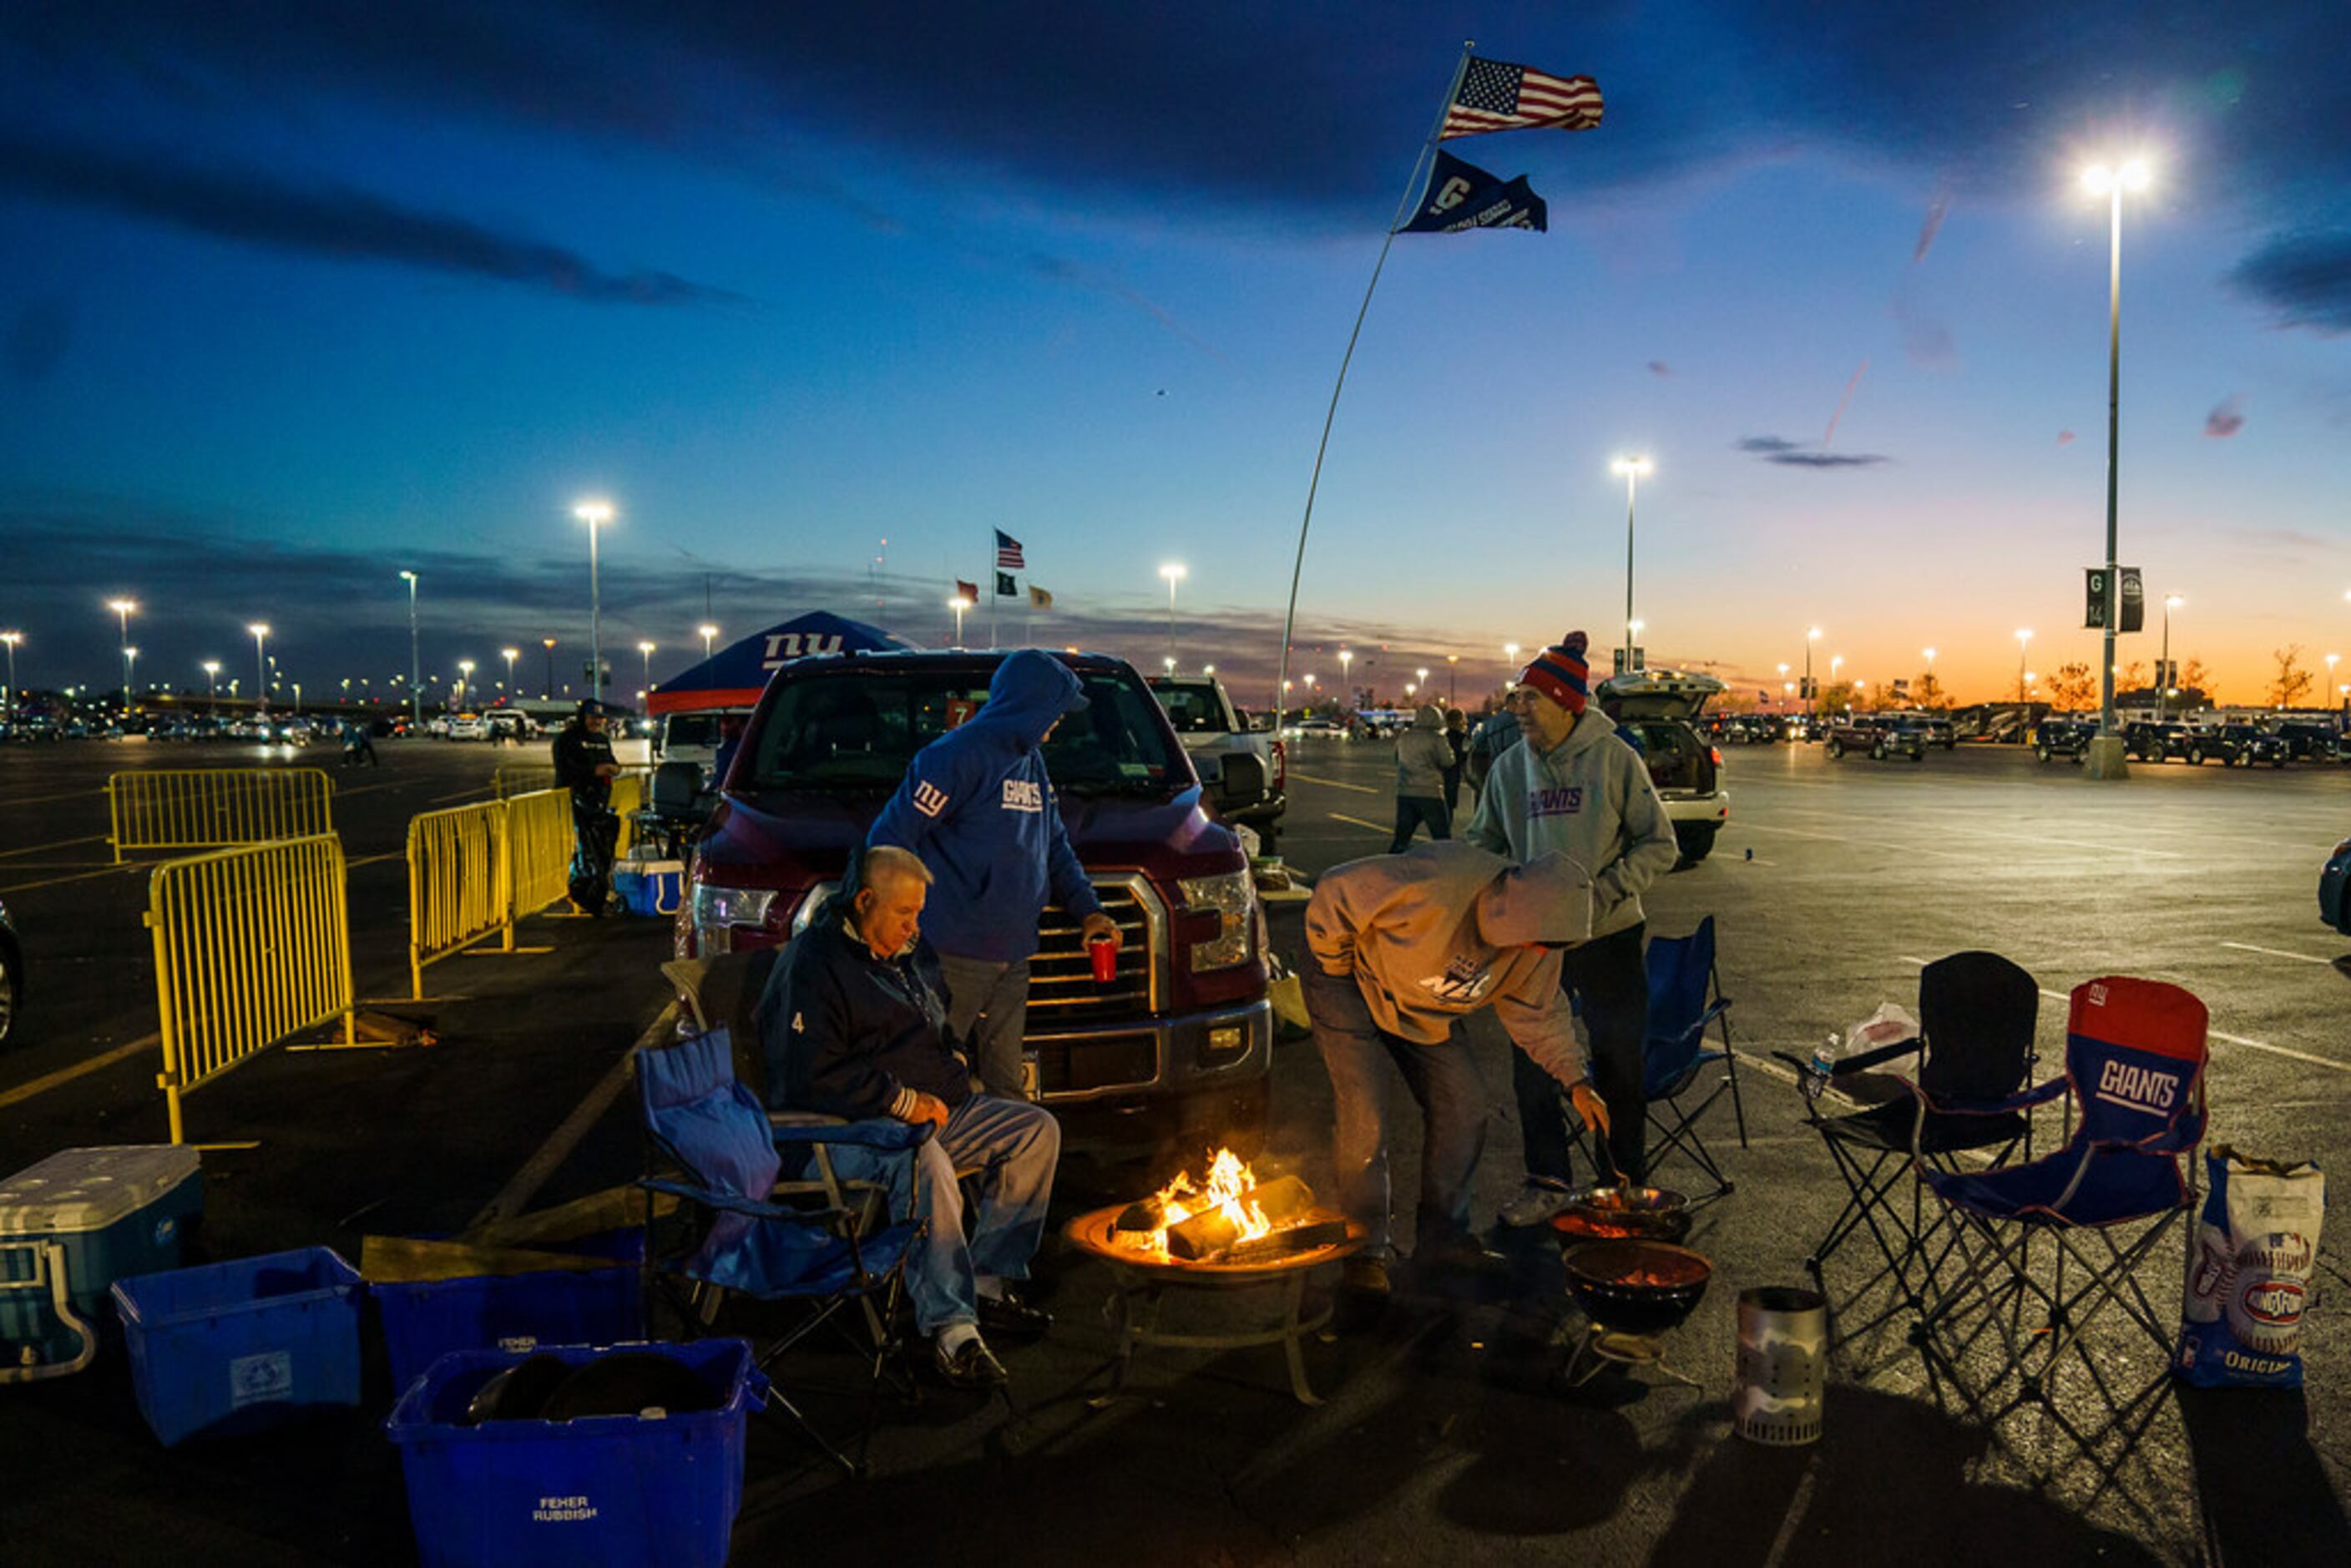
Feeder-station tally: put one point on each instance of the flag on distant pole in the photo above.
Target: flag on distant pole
(1008, 553)
(1496, 96)
(1463, 197)
(1005, 587)
(968, 590)
(1040, 599)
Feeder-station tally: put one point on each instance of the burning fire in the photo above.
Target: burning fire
(1182, 1198)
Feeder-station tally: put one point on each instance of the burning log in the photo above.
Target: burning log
(1148, 1214)
(1279, 1244)
(1217, 1228)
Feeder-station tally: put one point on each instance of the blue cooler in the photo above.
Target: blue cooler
(69, 1228)
(245, 1345)
(651, 1487)
(650, 886)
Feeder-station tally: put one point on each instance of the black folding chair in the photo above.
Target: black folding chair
(1977, 1012)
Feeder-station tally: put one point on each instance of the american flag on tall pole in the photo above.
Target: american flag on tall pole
(1495, 96)
(1008, 553)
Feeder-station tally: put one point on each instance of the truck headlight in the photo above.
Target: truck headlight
(1232, 898)
(718, 909)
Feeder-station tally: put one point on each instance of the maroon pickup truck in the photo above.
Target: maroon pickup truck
(1177, 1047)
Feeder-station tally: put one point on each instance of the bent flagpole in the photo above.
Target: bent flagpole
(1403, 205)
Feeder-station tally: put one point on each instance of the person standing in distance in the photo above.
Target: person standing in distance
(1574, 786)
(978, 806)
(1422, 756)
(584, 765)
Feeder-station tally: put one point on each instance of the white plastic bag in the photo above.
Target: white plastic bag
(1891, 1022)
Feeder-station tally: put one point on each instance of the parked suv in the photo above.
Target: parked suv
(2066, 738)
(1244, 773)
(1878, 736)
(1660, 708)
(2244, 744)
(2311, 742)
(1180, 1043)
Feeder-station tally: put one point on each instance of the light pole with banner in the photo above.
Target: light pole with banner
(415, 661)
(2168, 683)
(2106, 758)
(1634, 469)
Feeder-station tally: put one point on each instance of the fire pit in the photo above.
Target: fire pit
(1633, 1292)
(1229, 1233)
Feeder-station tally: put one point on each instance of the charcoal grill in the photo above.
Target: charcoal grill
(1634, 1293)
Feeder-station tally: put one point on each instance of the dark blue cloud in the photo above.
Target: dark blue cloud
(2303, 278)
(1798, 454)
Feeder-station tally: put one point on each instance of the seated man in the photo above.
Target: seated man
(853, 1024)
(1403, 945)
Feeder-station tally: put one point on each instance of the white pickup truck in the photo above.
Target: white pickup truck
(1244, 772)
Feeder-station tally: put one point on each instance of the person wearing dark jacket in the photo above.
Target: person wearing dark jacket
(1421, 759)
(584, 765)
(1456, 741)
(978, 806)
(853, 1025)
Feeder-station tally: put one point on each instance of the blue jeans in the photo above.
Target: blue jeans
(1443, 1079)
(1014, 1145)
(1414, 810)
(1609, 981)
(988, 1004)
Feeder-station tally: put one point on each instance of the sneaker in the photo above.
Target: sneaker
(971, 1365)
(1365, 1278)
(1534, 1205)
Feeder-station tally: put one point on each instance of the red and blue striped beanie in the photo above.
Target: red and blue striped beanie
(1560, 672)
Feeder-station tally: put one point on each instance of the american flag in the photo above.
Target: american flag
(1008, 553)
(1498, 96)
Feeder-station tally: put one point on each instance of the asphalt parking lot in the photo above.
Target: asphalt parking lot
(1445, 1432)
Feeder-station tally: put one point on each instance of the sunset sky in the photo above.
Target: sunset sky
(296, 295)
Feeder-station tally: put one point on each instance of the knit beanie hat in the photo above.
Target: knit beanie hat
(1560, 672)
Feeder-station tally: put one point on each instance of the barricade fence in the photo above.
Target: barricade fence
(252, 946)
(512, 779)
(458, 886)
(204, 807)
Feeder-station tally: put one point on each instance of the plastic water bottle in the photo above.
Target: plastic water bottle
(1823, 1066)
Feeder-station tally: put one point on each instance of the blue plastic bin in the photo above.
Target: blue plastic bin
(424, 1321)
(602, 1490)
(237, 1346)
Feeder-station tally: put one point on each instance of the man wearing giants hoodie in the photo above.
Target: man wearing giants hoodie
(977, 806)
(1572, 786)
(1403, 945)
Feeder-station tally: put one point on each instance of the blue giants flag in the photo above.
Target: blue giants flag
(1463, 197)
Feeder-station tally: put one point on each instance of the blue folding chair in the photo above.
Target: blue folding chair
(1684, 1000)
(701, 1120)
(2134, 1085)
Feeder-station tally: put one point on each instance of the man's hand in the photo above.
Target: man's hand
(607, 770)
(1099, 926)
(928, 1108)
(1590, 1106)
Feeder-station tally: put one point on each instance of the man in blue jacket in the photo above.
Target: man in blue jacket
(853, 1025)
(977, 806)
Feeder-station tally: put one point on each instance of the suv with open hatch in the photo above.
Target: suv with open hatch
(1244, 771)
(1179, 1043)
(1661, 710)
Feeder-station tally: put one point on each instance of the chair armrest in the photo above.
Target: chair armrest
(830, 1219)
(1863, 1062)
(2039, 1095)
(1719, 1005)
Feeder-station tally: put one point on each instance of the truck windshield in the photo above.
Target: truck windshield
(1193, 709)
(856, 731)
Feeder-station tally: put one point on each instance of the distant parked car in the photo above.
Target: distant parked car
(1659, 707)
(2308, 741)
(12, 977)
(2244, 744)
(1244, 772)
(2066, 738)
(2151, 742)
(1879, 736)
(2334, 889)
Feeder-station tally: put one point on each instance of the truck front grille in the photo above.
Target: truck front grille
(1062, 989)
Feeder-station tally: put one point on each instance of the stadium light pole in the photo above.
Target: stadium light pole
(2025, 641)
(1347, 674)
(510, 655)
(212, 681)
(645, 652)
(706, 631)
(1453, 680)
(465, 679)
(1930, 672)
(130, 657)
(1634, 469)
(1810, 637)
(958, 604)
(415, 660)
(10, 638)
(1174, 572)
(260, 630)
(2101, 181)
(595, 514)
(546, 692)
(2170, 684)
(124, 608)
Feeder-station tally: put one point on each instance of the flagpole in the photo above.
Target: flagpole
(1411, 188)
(994, 607)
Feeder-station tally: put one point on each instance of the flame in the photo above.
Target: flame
(1227, 1180)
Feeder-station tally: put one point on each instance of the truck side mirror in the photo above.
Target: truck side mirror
(1209, 766)
(678, 793)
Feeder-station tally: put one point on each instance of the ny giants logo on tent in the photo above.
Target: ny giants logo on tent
(783, 645)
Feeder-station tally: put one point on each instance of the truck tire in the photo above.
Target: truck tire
(1696, 839)
(2195, 757)
(1835, 748)
(2041, 752)
(1877, 752)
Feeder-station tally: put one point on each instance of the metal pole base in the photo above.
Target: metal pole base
(2105, 758)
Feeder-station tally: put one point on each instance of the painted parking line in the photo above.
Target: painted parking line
(79, 876)
(2276, 953)
(1359, 822)
(48, 1081)
(1849, 839)
(45, 800)
(60, 844)
(2285, 1051)
(1335, 783)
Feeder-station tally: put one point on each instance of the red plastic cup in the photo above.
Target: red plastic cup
(1105, 957)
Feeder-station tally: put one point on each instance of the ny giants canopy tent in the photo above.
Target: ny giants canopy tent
(736, 675)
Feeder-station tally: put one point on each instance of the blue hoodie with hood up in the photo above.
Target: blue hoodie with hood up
(978, 806)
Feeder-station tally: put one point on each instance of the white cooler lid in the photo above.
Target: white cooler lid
(77, 1190)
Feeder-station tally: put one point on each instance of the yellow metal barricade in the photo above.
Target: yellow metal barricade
(252, 946)
(512, 779)
(199, 808)
(457, 883)
(538, 849)
(628, 799)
